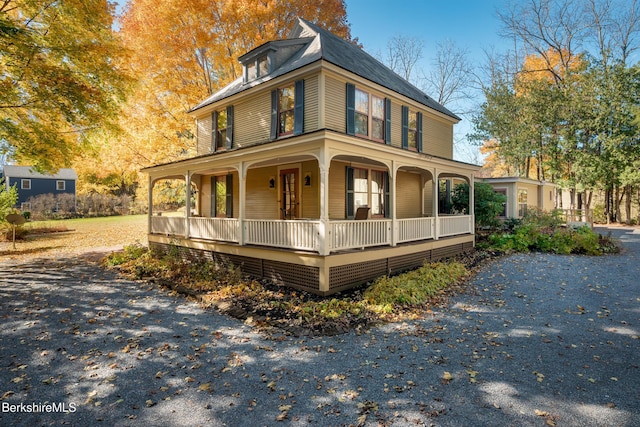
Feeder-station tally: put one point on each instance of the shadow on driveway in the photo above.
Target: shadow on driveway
(543, 340)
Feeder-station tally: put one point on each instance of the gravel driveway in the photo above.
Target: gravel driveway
(545, 340)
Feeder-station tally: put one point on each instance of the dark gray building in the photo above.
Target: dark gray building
(30, 183)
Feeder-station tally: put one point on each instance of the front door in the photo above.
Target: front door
(289, 193)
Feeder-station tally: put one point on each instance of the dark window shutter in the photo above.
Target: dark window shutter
(350, 196)
(351, 109)
(229, 141)
(387, 121)
(298, 109)
(419, 131)
(405, 127)
(274, 114)
(229, 197)
(213, 197)
(214, 130)
(387, 196)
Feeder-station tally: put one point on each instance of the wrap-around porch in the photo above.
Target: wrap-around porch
(298, 207)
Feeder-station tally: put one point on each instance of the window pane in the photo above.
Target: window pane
(377, 192)
(377, 105)
(362, 102)
(361, 124)
(377, 129)
(221, 196)
(263, 66)
(251, 71)
(286, 122)
(360, 180)
(222, 119)
(286, 98)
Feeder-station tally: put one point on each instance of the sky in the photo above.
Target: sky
(473, 25)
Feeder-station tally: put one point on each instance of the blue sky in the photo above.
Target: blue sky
(472, 25)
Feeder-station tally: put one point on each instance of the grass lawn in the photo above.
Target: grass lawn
(75, 236)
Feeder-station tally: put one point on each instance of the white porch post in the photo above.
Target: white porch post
(324, 228)
(242, 189)
(150, 203)
(395, 231)
(472, 204)
(434, 203)
(187, 212)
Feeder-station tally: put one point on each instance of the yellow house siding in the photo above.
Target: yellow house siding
(336, 105)
(437, 137)
(203, 129)
(253, 120)
(205, 196)
(428, 198)
(337, 196)
(408, 195)
(310, 194)
(311, 104)
(262, 201)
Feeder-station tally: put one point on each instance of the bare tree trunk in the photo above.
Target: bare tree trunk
(627, 204)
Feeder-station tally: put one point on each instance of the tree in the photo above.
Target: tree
(487, 203)
(58, 79)
(403, 54)
(8, 199)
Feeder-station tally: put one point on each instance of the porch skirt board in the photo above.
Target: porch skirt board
(307, 278)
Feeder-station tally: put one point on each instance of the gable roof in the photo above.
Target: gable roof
(323, 45)
(11, 171)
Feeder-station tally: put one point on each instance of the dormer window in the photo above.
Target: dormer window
(257, 67)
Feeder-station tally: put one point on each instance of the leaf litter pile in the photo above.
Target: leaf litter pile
(266, 304)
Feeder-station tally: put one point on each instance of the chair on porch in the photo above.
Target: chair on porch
(362, 213)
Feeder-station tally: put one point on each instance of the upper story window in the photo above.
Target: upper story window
(60, 185)
(286, 100)
(222, 131)
(25, 184)
(256, 68)
(221, 137)
(411, 129)
(287, 110)
(368, 115)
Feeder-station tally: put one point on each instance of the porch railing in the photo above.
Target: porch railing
(302, 235)
(172, 225)
(455, 224)
(305, 234)
(359, 234)
(223, 229)
(411, 229)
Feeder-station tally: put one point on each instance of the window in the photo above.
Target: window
(25, 206)
(362, 113)
(222, 132)
(222, 196)
(287, 110)
(377, 118)
(25, 184)
(367, 187)
(60, 185)
(257, 68)
(286, 104)
(368, 115)
(378, 192)
(411, 129)
(360, 188)
(522, 203)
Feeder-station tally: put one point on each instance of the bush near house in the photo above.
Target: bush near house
(487, 203)
(545, 232)
(227, 289)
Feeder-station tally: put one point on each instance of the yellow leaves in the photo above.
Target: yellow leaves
(472, 375)
(446, 377)
(550, 420)
(539, 376)
(205, 387)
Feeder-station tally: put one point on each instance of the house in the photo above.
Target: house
(319, 168)
(523, 194)
(31, 183)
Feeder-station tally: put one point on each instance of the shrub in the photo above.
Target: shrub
(487, 203)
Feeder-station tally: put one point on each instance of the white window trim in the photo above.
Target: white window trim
(23, 181)
(64, 185)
